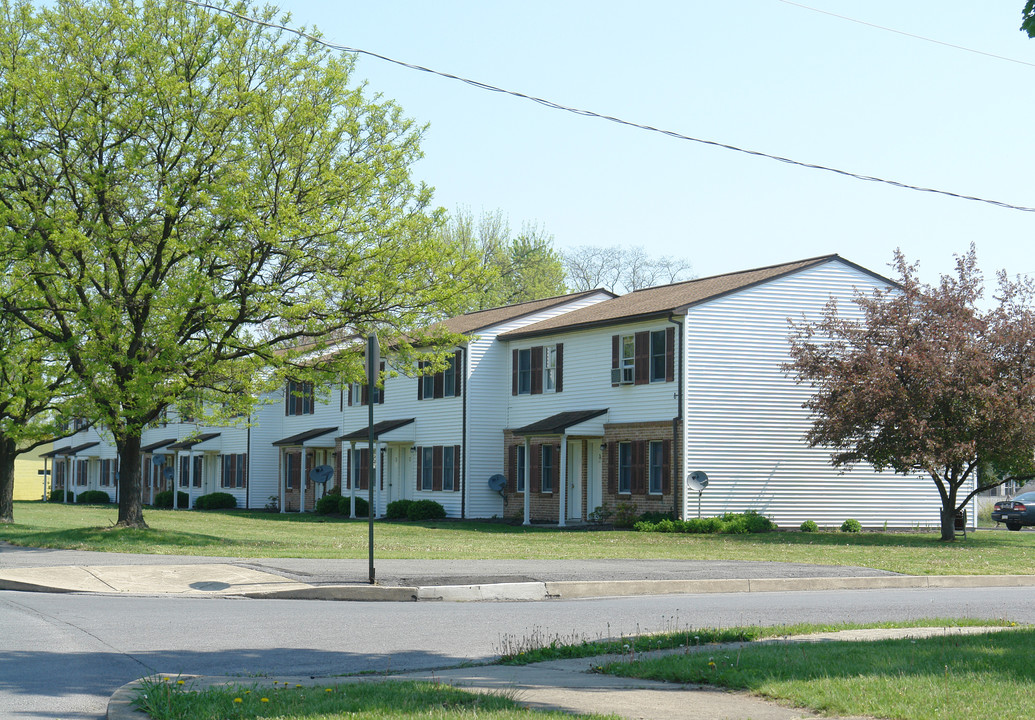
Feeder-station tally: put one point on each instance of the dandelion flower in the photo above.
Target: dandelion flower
(179, 682)
(238, 700)
(264, 699)
(328, 690)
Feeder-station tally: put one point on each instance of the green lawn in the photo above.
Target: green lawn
(941, 678)
(258, 534)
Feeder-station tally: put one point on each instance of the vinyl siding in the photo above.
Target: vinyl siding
(745, 424)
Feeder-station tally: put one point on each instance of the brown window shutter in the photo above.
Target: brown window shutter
(536, 461)
(559, 380)
(456, 468)
(513, 372)
(363, 481)
(612, 468)
(537, 370)
(670, 354)
(436, 468)
(616, 342)
(641, 374)
(666, 467)
(512, 469)
(639, 474)
(458, 372)
(420, 380)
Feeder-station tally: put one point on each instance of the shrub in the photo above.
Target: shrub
(55, 496)
(345, 506)
(164, 499)
(398, 510)
(624, 515)
(809, 526)
(730, 524)
(851, 526)
(93, 497)
(328, 505)
(215, 501)
(655, 516)
(757, 523)
(425, 510)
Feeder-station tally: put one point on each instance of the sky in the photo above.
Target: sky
(765, 75)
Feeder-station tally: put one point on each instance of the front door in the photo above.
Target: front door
(594, 477)
(574, 479)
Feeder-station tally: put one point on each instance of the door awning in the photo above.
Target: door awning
(300, 438)
(382, 428)
(560, 423)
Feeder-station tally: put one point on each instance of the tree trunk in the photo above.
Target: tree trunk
(948, 517)
(131, 490)
(8, 452)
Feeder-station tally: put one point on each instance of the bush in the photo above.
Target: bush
(55, 496)
(851, 526)
(656, 517)
(345, 506)
(93, 497)
(624, 515)
(398, 510)
(809, 526)
(730, 524)
(425, 510)
(215, 501)
(757, 523)
(329, 504)
(164, 499)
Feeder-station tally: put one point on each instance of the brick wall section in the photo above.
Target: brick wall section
(544, 507)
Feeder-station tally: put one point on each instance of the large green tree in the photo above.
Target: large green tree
(194, 202)
(923, 379)
(512, 267)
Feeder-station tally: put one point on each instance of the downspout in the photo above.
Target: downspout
(463, 438)
(677, 479)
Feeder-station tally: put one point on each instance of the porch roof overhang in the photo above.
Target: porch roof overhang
(572, 422)
(391, 428)
(154, 446)
(308, 438)
(63, 450)
(194, 442)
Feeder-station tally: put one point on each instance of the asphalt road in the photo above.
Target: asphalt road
(61, 656)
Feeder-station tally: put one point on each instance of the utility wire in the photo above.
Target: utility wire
(589, 113)
(909, 35)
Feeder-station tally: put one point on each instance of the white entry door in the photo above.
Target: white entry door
(594, 477)
(574, 479)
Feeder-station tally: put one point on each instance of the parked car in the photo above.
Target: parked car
(1016, 512)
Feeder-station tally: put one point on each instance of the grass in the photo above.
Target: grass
(535, 647)
(257, 534)
(165, 699)
(939, 678)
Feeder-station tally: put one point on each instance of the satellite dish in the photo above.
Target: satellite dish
(168, 473)
(158, 460)
(696, 481)
(321, 473)
(497, 483)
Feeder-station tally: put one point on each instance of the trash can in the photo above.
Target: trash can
(959, 524)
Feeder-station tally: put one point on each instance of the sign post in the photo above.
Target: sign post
(373, 368)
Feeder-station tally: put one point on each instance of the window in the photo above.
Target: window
(658, 356)
(657, 467)
(197, 470)
(441, 384)
(550, 368)
(447, 469)
(643, 357)
(520, 472)
(235, 470)
(546, 469)
(524, 372)
(184, 471)
(292, 470)
(299, 398)
(109, 471)
(427, 469)
(625, 468)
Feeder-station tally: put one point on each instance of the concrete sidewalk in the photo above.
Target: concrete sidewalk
(571, 686)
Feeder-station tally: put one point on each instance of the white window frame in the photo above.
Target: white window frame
(549, 368)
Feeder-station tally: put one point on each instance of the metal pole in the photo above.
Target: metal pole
(373, 367)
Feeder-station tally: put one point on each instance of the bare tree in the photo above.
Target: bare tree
(621, 269)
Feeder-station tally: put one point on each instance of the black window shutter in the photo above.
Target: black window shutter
(512, 482)
(458, 372)
(536, 451)
(456, 468)
(642, 354)
(384, 383)
(537, 370)
(439, 383)
(420, 381)
(612, 467)
(556, 468)
(616, 342)
(436, 468)
(420, 464)
(559, 374)
(670, 354)
(666, 467)
(514, 373)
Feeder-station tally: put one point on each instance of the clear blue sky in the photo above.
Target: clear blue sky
(759, 74)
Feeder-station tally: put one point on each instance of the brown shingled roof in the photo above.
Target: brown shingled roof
(666, 299)
(475, 321)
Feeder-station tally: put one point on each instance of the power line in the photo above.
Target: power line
(909, 35)
(589, 113)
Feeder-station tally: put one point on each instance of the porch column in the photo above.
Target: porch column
(562, 474)
(353, 474)
(528, 482)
